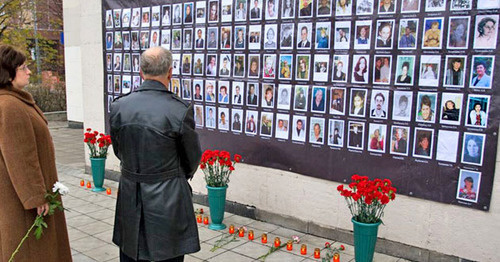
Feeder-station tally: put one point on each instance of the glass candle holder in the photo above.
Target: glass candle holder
(205, 220)
(241, 232)
(303, 249)
(108, 191)
(277, 242)
(231, 229)
(289, 245)
(89, 185)
(199, 219)
(264, 238)
(317, 253)
(336, 257)
(250, 235)
(82, 182)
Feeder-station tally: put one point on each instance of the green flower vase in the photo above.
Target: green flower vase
(365, 238)
(98, 166)
(217, 204)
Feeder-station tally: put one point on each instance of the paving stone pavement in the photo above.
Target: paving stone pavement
(90, 218)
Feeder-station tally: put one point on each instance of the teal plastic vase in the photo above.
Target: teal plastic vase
(365, 238)
(217, 204)
(98, 165)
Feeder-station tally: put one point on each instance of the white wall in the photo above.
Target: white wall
(447, 229)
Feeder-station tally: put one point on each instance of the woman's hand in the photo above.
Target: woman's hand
(43, 209)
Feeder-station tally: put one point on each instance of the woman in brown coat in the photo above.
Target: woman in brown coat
(27, 168)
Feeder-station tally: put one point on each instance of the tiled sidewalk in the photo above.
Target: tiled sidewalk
(90, 218)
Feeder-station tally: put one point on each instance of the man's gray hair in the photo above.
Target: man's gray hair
(156, 61)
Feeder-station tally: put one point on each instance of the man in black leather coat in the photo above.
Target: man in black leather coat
(153, 135)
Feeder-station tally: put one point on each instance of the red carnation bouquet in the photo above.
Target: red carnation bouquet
(98, 143)
(217, 166)
(367, 199)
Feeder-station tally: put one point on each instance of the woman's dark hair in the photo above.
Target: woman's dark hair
(10, 59)
(407, 64)
(356, 68)
(425, 101)
(469, 179)
(482, 23)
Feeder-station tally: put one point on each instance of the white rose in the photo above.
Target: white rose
(63, 190)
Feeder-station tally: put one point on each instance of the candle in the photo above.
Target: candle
(199, 219)
(231, 229)
(336, 257)
(303, 249)
(89, 185)
(82, 182)
(317, 253)
(289, 245)
(264, 238)
(241, 232)
(250, 234)
(108, 191)
(277, 242)
(205, 220)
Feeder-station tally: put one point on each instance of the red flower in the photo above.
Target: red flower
(237, 158)
(342, 247)
(327, 244)
(89, 129)
(340, 187)
(231, 168)
(384, 200)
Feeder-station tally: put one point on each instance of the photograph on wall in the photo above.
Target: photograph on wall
(223, 115)
(458, 32)
(236, 117)
(110, 100)
(165, 38)
(199, 43)
(109, 41)
(336, 133)
(145, 40)
(253, 66)
(271, 9)
(126, 40)
(377, 134)
(201, 12)
(379, 104)
(451, 105)
(454, 72)
(342, 35)
(186, 89)
(430, 67)
(343, 7)
(210, 86)
(213, 11)
(186, 64)
(435, 5)
(432, 33)
(473, 148)
(166, 17)
(304, 36)
(256, 10)
(402, 105)
(136, 17)
(268, 95)
(405, 70)
(198, 90)
(237, 93)
(363, 34)
(287, 36)
(458, 5)
(225, 42)
(109, 62)
(337, 100)
(284, 95)
(210, 116)
(318, 99)
(426, 107)
(135, 45)
(317, 130)
(254, 38)
(188, 39)
(109, 83)
(252, 94)
(282, 125)
(239, 66)
(269, 69)
(213, 35)
(321, 65)
(299, 124)
(468, 185)
(482, 71)
(199, 64)
(117, 14)
(447, 146)
(266, 124)
(303, 66)
(176, 64)
(223, 92)
(423, 143)
(126, 84)
(400, 135)
(340, 67)
(323, 34)
(358, 101)
(300, 98)
(176, 39)
(126, 62)
(306, 8)
(117, 80)
(385, 34)
(286, 67)
(211, 69)
(478, 110)
(225, 65)
(486, 32)
(175, 86)
(382, 69)
(408, 31)
(155, 16)
(324, 8)
(251, 119)
(356, 135)
(155, 41)
(360, 69)
(488, 4)
(109, 19)
(198, 115)
(118, 43)
(387, 6)
(288, 9)
(117, 65)
(240, 37)
(226, 10)
(364, 7)
(146, 17)
(240, 10)
(136, 82)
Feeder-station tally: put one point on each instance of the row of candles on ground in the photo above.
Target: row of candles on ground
(89, 185)
(277, 241)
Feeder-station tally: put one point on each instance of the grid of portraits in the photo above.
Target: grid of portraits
(409, 79)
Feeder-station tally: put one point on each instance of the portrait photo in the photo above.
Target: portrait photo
(454, 72)
(318, 99)
(486, 32)
(324, 8)
(468, 185)
(357, 104)
(155, 38)
(269, 69)
(478, 110)
(238, 93)
(240, 40)
(426, 107)
(198, 115)
(303, 66)
(199, 64)
(382, 69)
(299, 124)
(175, 86)
(377, 134)
(118, 42)
(136, 17)
(254, 32)
(321, 65)
(385, 34)
(410, 6)
(284, 95)
(225, 40)
(236, 120)
(288, 9)
(400, 135)
(127, 67)
(268, 96)
(379, 104)
(240, 10)
(239, 66)
(270, 33)
(155, 16)
(336, 133)
(223, 96)
(126, 84)
(473, 148)
(213, 36)
(271, 9)
(408, 29)
(458, 32)
(226, 10)
(251, 119)
(435, 5)
(135, 45)
(186, 89)
(201, 12)
(198, 88)
(458, 5)
(177, 15)
(210, 91)
(317, 131)
(305, 35)
(387, 6)
(432, 37)
(117, 84)
(364, 7)
(255, 9)
(176, 39)
(136, 82)
(109, 83)
(323, 34)
(343, 7)
(210, 117)
(225, 65)
(165, 38)
(223, 121)
(482, 71)
(282, 126)
(287, 36)
(488, 4)
(213, 11)
(360, 69)
(176, 64)
(423, 143)
(340, 68)
(199, 42)
(117, 15)
(363, 34)
(109, 40)
(211, 68)
(126, 40)
(109, 62)
(356, 135)
(337, 100)
(252, 97)
(429, 70)
(109, 19)
(300, 98)
(447, 146)
(117, 62)
(266, 124)
(167, 18)
(146, 17)
(286, 67)
(305, 8)
(342, 35)
(253, 66)
(402, 105)
(110, 100)
(451, 105)
(405, 70)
